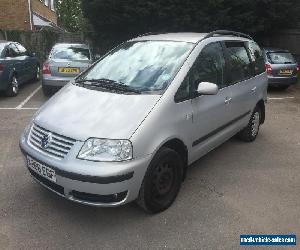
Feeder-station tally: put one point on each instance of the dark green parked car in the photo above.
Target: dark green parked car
(17, 66)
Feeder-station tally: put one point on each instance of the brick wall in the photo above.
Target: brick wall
(14, 15)
(39, 7)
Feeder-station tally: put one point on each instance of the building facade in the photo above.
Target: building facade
(27, 15)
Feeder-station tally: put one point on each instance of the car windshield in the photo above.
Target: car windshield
(280, 57)
(143, 65)
(70, 53)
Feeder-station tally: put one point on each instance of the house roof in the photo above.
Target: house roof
(39, 21)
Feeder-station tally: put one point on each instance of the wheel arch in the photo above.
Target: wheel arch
(261, 105)
(178, 146)
(13, 73)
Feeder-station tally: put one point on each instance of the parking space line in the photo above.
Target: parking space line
(281, 98)
(19, 109)
(28, 98)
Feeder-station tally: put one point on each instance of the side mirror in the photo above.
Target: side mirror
(207, 88)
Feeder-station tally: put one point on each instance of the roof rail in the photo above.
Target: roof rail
(227, 32)
(149, 33)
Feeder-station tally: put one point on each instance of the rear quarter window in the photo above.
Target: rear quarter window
(257, 58)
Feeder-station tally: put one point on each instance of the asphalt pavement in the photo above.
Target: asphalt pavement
(239, 188)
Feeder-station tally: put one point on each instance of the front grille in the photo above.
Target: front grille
(57, 188)
(58, 147)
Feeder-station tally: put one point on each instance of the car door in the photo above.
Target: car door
(27, 62)
(16, 62)
(240, 78)
(210, 112)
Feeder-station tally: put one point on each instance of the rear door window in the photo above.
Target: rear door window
(280, 58)
(70, 53)
(257, 58)
(239, 64)
(22, 50)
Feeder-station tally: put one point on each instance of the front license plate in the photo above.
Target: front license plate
(41, 169)
(69, 70)
(286, 72)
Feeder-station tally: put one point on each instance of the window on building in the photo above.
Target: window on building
(52, 5)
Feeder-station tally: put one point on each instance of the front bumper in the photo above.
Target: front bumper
(105, 184)
(282, 81)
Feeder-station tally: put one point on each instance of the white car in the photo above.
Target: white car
(127, 128)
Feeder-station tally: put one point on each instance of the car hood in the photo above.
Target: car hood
(81, 113)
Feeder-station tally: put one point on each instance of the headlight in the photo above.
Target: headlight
(106, 150)
(27, 129)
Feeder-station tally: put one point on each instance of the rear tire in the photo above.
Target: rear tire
(13, 87)
(162, 181)
(37, 76)
(47, 90)
(249, 133)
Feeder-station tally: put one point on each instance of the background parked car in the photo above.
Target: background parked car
(281, 67)
(65, 62)
(17, 66)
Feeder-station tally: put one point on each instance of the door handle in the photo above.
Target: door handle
(227, 100)
(189, 116)
(253, 90)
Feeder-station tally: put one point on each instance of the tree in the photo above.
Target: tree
(126, 18)
(70, 15)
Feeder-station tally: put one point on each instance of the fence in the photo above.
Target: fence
(42, 41)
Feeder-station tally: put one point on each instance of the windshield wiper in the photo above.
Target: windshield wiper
(108, 84)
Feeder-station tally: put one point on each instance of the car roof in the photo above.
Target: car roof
(192, 37)
(81, 45)
(4, 42)
(178, 37)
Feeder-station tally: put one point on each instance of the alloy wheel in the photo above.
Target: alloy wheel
(15, 85)
(38, 73)
(255, 123)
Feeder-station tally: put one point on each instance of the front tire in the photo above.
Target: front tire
(162, 181)
(13, 87)
(250, 133)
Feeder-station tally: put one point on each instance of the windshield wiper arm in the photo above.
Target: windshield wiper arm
(109, 84)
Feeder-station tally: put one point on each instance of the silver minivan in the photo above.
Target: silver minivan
(65, 62)
(127, 128)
